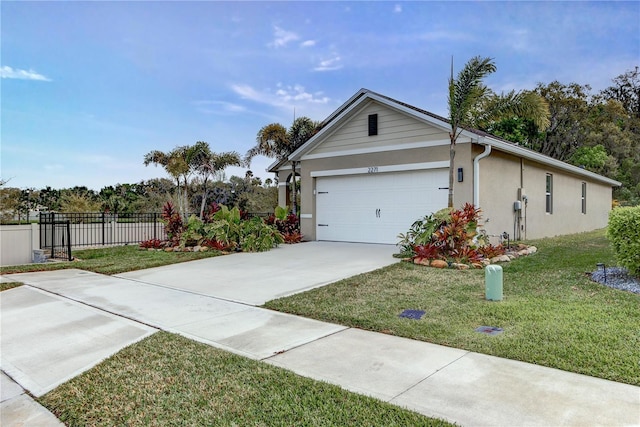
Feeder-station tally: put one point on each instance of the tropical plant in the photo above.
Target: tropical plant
(180, 163)
(152, 244)
(193, 233)
(256, 236)
(173, 224)
(274, 140)
(472, 104)
(464, 94)
(207, 164)
(449, 234)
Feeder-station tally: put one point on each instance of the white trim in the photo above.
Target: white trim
(382, 169)
(367, 150)
(282, 184)
(306, 216)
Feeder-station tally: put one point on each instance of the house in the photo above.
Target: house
(378, 164)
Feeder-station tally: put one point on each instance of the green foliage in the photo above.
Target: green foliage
(281, 213)
(624, 234)
(173, 224)
(193, 233)
(592, 158)
(256, 236)
(448, 234)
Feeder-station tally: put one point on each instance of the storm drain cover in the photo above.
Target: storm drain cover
(489, 330)
(412, 314)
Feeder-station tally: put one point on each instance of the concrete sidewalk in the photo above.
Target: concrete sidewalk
(457, 385)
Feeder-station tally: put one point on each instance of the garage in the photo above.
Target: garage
(376, 207)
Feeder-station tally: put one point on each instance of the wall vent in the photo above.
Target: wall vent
(373, 124)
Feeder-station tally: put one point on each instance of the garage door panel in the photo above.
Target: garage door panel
(376, 208)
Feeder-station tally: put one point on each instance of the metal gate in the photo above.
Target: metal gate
(55, 236)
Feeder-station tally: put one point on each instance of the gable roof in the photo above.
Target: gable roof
(343, 113)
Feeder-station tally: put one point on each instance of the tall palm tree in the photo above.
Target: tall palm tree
(464, 94)
(472, 104)
(274, 140)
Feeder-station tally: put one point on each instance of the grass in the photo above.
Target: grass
(552, 313)
(9, 285)
(168, 380)
(113, 260)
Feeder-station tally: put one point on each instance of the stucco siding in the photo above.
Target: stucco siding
(501, 177)
(393, 128)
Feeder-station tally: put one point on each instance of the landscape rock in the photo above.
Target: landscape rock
(168, 249)
(196, 249)
(204, 248)
(532, 250)
(438, 263)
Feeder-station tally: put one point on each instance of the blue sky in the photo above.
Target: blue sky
(88, 88)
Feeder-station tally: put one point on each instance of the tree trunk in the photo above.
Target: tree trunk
(452, 155)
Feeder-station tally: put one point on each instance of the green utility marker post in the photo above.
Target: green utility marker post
(493, 282)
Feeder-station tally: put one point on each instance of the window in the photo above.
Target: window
(549, 194)
(373, 124)
(584, 197)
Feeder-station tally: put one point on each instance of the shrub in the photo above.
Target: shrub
(152, 243)
(287, 224)
(624, 233)
(193, 233)
(256, 236)
(173, 225)
(449, 235)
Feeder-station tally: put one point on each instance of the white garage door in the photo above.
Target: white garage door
(375, 208)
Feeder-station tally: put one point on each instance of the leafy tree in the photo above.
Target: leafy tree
(626, 90)
(274, 140)
(9, 202)
(594, 159)
(569, 112)
(78, 202)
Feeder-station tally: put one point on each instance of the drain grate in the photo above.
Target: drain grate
(412, 314)
(489, 330)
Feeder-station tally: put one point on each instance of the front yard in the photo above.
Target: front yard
(552, 313)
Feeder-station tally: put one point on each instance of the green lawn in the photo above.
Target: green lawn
(552, 314)
(113, 260)
(168, 380)
(9, 285)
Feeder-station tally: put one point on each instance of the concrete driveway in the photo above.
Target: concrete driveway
(254, 278)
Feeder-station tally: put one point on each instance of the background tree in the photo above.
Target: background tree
(274, 140)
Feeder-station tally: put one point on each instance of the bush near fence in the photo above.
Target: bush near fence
(624, 234)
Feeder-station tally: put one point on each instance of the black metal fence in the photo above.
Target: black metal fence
(101, 229)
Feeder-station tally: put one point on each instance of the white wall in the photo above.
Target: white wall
(17, 243)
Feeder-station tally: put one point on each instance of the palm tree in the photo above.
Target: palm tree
(273, 140)
(464, 94)
(179, 163)
(207, 164)
(472, 104)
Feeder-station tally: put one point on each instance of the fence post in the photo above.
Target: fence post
(53, 235)
(69, 240)
(155, 226)
(102, 228)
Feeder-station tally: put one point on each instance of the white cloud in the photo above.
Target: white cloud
(330, 64)
(308, 43)
(397, 8)
(7, 72)
(288, 98)
(282, 37)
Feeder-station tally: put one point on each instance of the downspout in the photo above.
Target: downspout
(476, 170)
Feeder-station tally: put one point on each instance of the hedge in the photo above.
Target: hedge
(624, 235)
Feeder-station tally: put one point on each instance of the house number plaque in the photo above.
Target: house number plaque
(372, 169)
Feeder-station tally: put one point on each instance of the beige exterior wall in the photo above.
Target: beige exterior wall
(501, 175)
(393, 128)
(17, 243)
